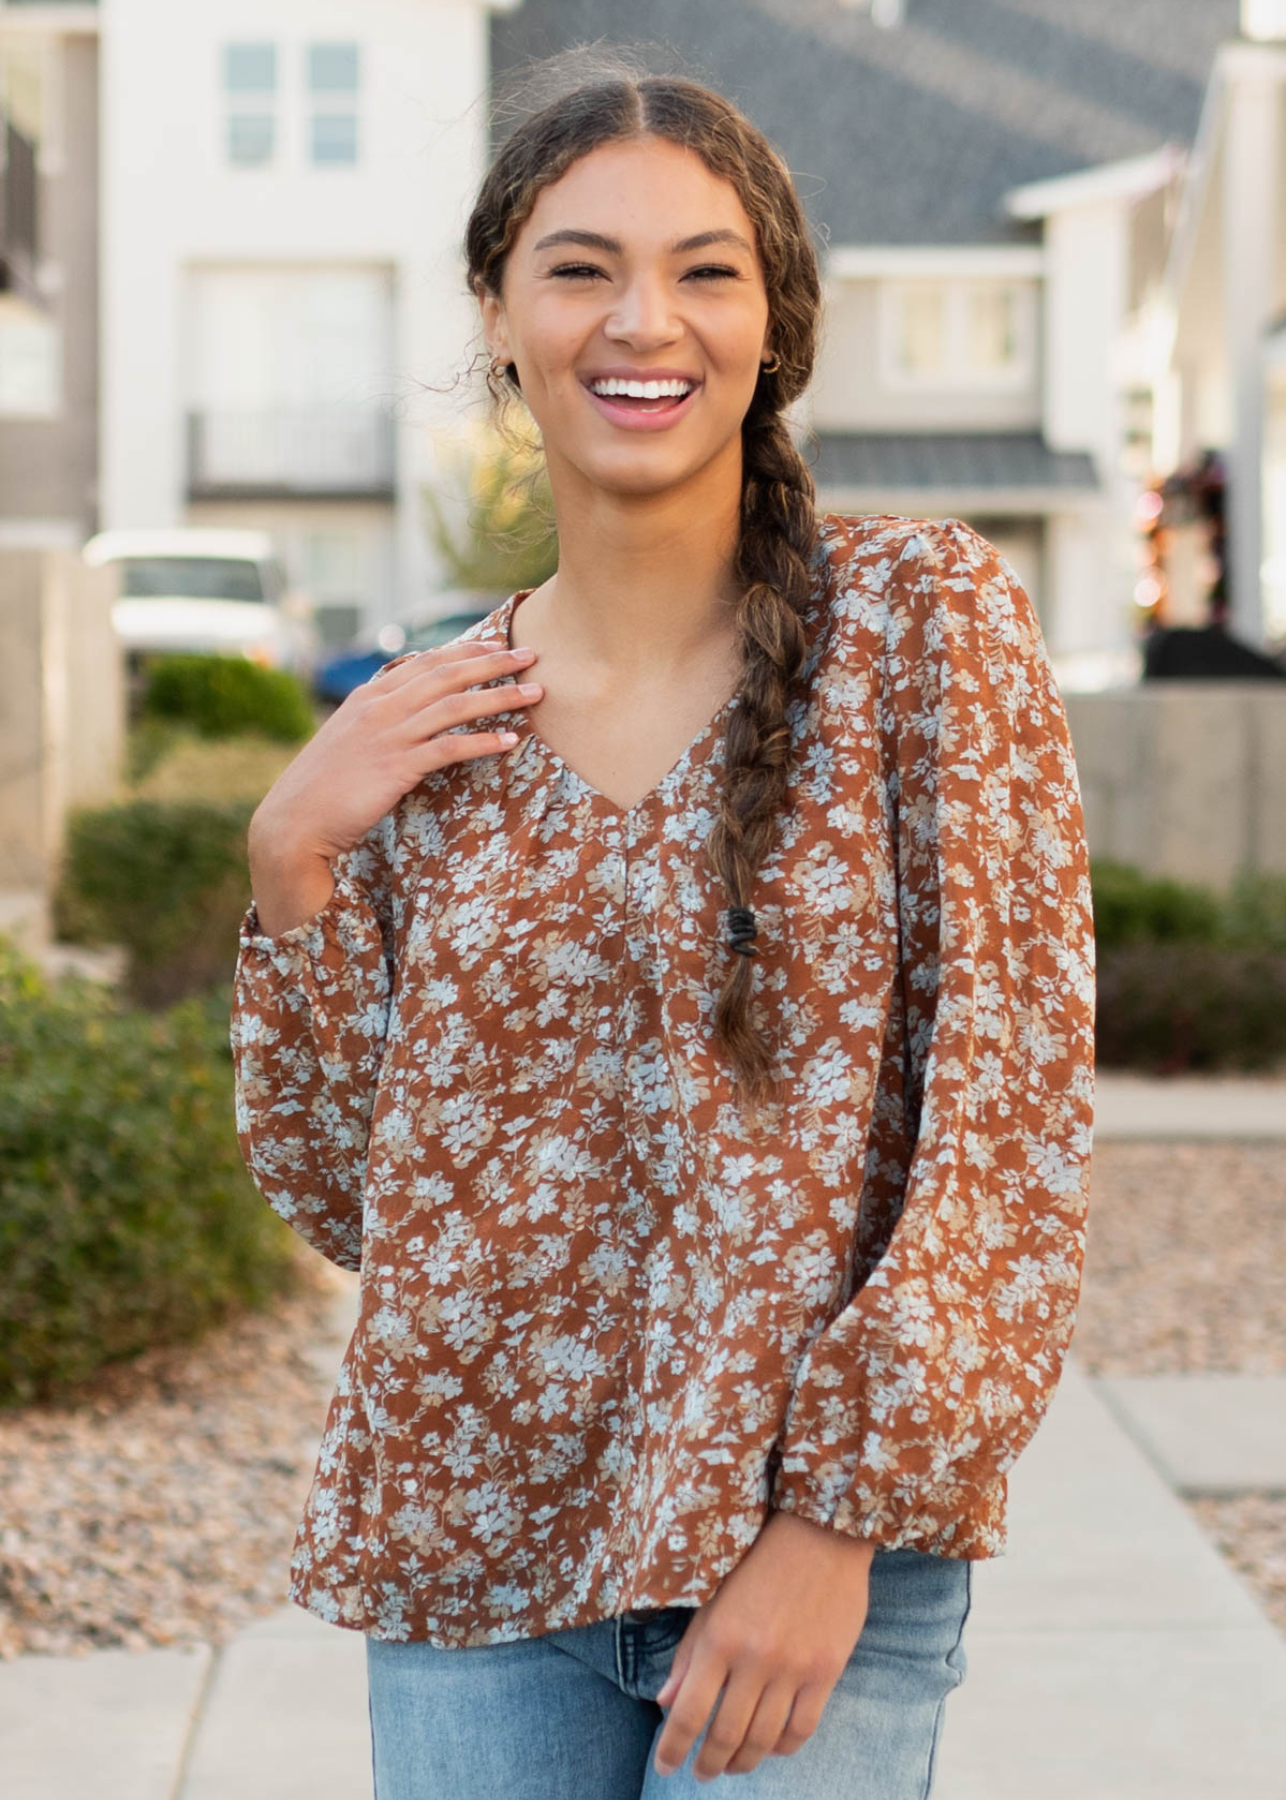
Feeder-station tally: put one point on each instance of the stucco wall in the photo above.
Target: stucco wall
(62, 705)
(1185, 778)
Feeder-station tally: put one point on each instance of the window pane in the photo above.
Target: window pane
(250, 68)
(922, 345)
(993, 329)
(334, 137)
(22, 85)
(250, 138)
(30, 367)
(333, 68)
(191, 577)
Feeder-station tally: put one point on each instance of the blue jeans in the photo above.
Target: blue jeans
(572, 1715)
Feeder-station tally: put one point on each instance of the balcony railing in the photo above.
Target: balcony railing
(18, 212)
(311, 452)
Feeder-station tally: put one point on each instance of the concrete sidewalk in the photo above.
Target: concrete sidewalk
(1113, 1654)
(1189, 1106)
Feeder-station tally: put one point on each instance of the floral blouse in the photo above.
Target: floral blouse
(604, 1327)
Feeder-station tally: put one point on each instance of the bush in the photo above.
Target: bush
(190, 767)
(1169, 1008)
(168, 880)
(223, 695)
(1255, 912)
(127, 1217)
(1133, 908)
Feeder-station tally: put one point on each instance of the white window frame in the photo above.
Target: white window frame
(955, 374)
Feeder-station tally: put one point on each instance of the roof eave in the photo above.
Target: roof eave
(1132, 179)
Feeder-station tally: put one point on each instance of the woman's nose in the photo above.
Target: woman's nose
(644, 311)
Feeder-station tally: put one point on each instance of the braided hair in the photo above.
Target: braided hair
(778, 528)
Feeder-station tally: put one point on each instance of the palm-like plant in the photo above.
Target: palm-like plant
(508, 539)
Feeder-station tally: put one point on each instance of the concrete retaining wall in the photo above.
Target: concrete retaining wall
(62, 717)
(1185, 778)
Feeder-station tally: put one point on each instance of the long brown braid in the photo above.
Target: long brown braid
(778, 528)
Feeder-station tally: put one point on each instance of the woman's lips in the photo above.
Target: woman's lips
(643, 415)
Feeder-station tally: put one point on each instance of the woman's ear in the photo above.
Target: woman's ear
(493, 328)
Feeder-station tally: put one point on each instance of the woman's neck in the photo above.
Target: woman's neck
(645, 585)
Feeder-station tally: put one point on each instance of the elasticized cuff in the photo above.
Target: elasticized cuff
(346, 912)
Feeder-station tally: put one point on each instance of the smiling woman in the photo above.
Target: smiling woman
(698, 1067)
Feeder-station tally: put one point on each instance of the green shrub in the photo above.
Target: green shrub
(168, 880)
(192, 767)
(223, 695)
(1170, 1008)
(1255, 911)
(127, 1217)
(1132, 908)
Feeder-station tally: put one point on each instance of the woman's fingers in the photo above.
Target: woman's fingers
(765, 1731)
(406, 668)
(460, 746)
(448, 710)
(696, 1686)
(730, 1727)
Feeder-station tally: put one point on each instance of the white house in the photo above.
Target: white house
(285, 185)
(990, 189)
(1220, 320)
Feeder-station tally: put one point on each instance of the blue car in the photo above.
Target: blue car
(335, 677)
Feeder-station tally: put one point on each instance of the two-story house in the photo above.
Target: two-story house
(1218, 320)
(284, 190)
(982, 176)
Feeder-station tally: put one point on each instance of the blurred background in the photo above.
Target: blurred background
(245, 458)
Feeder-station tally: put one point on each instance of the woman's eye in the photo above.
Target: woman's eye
(707, 271)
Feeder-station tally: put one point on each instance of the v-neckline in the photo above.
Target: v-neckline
(604, 801)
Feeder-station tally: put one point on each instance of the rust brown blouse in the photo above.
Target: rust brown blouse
(604, 1328)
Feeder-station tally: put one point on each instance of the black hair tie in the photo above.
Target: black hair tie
(742, 927)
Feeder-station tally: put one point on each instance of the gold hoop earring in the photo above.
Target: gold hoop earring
(771, 368)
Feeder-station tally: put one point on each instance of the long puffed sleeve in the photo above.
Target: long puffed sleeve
(310, 1015)
(908, 1408)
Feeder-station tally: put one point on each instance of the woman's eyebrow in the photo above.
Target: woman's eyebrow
(594, 240)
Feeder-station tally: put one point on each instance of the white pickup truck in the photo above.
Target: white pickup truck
(206, 591)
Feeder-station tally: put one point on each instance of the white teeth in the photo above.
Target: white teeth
(642, 390)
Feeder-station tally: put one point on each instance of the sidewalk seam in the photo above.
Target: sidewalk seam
(194, 1723)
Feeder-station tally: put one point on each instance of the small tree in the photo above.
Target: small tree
(509, 539)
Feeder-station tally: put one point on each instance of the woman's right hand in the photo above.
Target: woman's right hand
(384, 738)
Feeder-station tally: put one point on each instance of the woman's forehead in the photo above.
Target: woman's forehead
(642, 186)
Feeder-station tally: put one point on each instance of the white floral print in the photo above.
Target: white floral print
(604, 1326)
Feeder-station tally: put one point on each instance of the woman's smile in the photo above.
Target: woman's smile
(644, 402)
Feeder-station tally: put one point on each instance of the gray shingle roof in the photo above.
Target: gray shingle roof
(967, 460)
(914, 135)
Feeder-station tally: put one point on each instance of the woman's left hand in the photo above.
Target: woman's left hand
(779, 1632)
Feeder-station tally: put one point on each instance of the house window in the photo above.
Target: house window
(30, 368)
(957, 334)
(250, 96)
(334, 76)
(992, 324)
(922, 331)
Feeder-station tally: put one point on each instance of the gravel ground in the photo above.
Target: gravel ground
(1185, 1272)
(1185, 1260)
(160, 1507)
